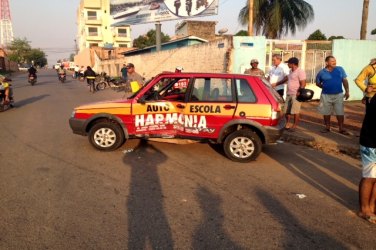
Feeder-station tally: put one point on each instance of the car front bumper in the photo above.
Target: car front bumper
(78, 126)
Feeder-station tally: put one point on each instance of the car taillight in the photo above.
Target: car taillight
(276, 115)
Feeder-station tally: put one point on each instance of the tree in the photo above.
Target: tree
(19, 49)
(363, 27)
(317, 35)
(149, 39)
(242, 33)
(275, 18)
(373, 32)
(36, 57)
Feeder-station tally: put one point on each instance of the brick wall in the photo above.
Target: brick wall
(207, 57)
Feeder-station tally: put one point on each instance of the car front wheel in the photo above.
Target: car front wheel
(242, 145)
(106, 136)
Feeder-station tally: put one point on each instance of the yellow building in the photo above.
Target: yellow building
(94, 27)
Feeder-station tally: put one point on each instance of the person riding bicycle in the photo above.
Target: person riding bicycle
(6, 92)
(32, 71)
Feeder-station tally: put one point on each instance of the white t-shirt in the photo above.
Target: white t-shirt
(277, 73)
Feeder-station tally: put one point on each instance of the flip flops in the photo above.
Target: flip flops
(370, 219)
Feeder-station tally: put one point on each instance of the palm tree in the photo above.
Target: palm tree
(275, 18)
(363, 27)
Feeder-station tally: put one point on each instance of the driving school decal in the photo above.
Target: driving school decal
(193, 124)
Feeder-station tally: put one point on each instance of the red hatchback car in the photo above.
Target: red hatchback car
(240, 112)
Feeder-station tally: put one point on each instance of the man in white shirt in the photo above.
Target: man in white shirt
(278, 74)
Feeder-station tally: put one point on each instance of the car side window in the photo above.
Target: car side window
(244, 91)
(211, 90)
(171, 89)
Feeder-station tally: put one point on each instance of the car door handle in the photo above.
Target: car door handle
(229, 107)
(180, 106)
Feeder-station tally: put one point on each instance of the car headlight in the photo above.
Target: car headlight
(73, 114)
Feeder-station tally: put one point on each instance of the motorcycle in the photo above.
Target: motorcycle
(62, 78)
(103, 81)
(32, 79)
(5, 105)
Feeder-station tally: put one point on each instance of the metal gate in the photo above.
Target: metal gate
(310, 53)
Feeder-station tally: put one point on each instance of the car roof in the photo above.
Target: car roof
(202, 74)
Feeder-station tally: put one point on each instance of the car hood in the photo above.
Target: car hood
(106, 107)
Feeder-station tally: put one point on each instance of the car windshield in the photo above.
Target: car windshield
(143, 86)
(275, 94)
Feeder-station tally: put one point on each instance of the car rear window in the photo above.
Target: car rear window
(274, 93)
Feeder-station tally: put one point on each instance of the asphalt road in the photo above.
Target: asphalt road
(57, 192)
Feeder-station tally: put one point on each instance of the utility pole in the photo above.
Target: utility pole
(250, 21)
(158, 35)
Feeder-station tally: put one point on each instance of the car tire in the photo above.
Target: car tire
(106, 136)
(242, 146)
(101, 86)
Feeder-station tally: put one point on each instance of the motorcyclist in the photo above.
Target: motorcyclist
(32, 71)
(6, 91)
(90, 75)
(61, 70)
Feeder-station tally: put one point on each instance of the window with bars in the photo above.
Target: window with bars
(122, 32)
(93, 31)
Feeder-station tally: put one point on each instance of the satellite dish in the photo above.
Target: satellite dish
(222, 31)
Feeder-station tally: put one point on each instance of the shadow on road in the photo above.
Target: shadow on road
(147, 221)
(211, 234)
(30, 100)
(329, 175)
(296, 235)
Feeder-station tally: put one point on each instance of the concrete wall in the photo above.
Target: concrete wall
(247, 48)
(84, 58)
(353, 56)
(208, 57)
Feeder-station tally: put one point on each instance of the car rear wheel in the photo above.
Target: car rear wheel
(106, 136)
(242, 146)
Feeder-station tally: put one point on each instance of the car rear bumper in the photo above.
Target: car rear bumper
(78, 126)
(274, 133)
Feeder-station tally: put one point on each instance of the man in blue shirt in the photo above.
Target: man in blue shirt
(331, 79)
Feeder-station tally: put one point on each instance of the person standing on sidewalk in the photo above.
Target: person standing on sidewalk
(296, 81)
(367, 185)
(330, 79)
(254, 70)
(124, 72)
(278, 74)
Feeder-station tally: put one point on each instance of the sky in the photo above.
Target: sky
(51, 24)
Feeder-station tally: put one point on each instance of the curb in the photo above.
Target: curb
(325, 146)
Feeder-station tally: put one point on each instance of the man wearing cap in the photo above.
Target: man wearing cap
(330, 79)
(254, 70)
(133, 76)
(278, 74)
(366, 81)
(296, 81)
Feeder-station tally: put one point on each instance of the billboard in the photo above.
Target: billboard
(130, 12)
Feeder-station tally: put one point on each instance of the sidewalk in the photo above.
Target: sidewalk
(308, 132)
